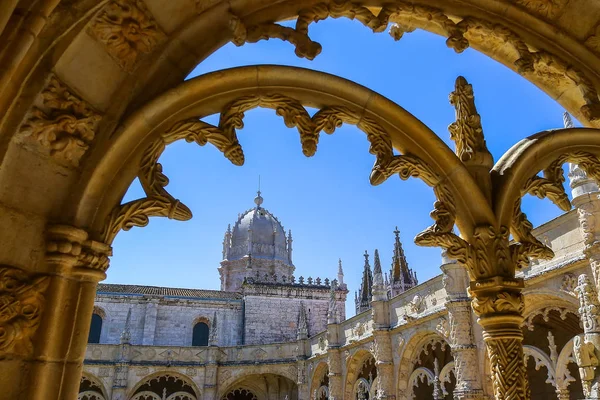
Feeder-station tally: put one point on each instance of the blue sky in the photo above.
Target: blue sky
(326, 200)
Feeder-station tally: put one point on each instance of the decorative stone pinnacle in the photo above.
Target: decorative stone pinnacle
(213, 331)
(568, 121)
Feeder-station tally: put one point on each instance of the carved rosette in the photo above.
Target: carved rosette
(22, 303)
(61, 123)
(128, 31)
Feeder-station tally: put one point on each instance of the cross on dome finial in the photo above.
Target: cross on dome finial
(258, 200)
(397, 232)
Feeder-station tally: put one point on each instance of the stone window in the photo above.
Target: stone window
(95, 329)
(200, 334)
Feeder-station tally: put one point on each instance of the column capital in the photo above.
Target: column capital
(69, 250)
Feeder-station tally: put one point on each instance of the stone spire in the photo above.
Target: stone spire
(289, 246)
(227, 242)
(379, 289)
(340, 274)
(366, 288)
(332, 309)
(302, 323)
(212, 339)
(126, 334)
(402, 277)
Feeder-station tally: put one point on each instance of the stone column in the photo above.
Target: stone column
(498, 304)
(334, 362)
(468, 378)
(382, 341)
(586, 347)
(61, 301)
(210, 374)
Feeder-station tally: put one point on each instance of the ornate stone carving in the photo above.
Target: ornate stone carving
(61, 122)
(467, 132)
(159, 202)
(508, 371)
(589, 306)
(585, 356)
(551, 186)
(128, 30)
(443, 328)
(22, 302)
(501, 303)
(546, 8)
(569, 283)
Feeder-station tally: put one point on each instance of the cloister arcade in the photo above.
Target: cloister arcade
(91, 92)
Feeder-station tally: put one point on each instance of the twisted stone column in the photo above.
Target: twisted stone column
(74, 265)
(464, 350)
(499, 305)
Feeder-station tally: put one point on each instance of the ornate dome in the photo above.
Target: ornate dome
(257, 234)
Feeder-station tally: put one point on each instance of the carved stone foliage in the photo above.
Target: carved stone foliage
(21, 305)
(128, 30)
(549, 9)
(158, 202)
(61, 122)
(584, 353)
(541, 66)
(467, 132)
(549, 185)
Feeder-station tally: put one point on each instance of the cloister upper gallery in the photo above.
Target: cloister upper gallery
(92, 92)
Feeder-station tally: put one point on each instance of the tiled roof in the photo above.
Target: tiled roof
(107, 288)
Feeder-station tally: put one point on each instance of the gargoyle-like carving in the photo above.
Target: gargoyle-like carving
(443, 328)
(128, 30)
(585, 357)
(22, 302)
(61, 122)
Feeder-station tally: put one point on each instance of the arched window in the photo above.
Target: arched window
(95, 329)
(200, 334)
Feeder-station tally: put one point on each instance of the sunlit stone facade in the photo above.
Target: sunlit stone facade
(286, 337)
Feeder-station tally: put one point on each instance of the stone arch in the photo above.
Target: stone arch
(445, 376)
(159, 378)
(422, 375)
(319, 373)
(539, 298)
(267, 86)
(259, 385)
(411, 350)
(505, 31)
(353, 369)
(91, 388)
